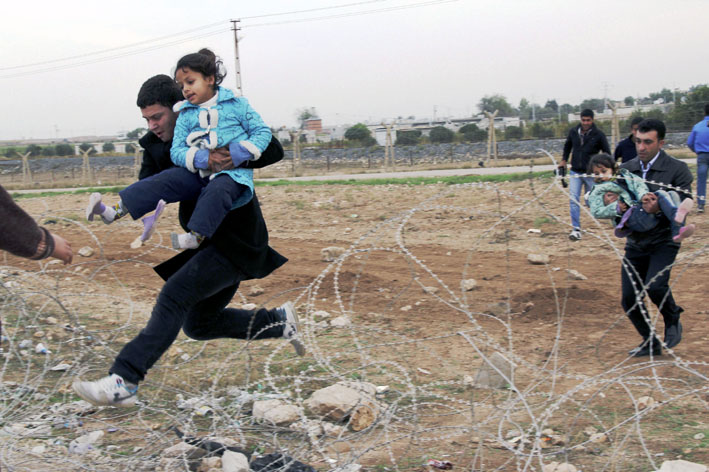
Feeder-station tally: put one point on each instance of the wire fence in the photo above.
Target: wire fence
(567, 403)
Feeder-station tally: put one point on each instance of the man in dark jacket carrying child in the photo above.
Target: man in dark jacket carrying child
(199, 282)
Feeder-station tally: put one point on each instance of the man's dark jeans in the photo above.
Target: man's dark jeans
(194, 299)
(648, 264)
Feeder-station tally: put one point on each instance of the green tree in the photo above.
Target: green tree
(304, 114)
(513, 132)
(407, 138)
(10, 152)
(108, 147)
(358, 132)
(498, 102)
(690, 109)
(565, 109)
(49, 151)
(629, 101)
(130, 148)
(441, 134)
(538, 130)
(87, 147)
(665, 94)
(472, 133)
(64, 150)
(552, 105)
(136, 133)
(595, 104)
(34, 150)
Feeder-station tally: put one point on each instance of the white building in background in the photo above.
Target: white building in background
(625, 112)
(283, 135)
(380, 135)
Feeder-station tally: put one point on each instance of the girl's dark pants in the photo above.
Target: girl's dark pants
(214, 197)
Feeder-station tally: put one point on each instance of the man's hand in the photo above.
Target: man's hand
(220, 159)
(610, 197)
(649, 201)
(62, 249)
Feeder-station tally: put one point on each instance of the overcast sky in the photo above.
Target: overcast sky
(351, 67)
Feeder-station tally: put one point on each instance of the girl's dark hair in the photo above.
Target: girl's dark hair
(601, 159)
(204, 62)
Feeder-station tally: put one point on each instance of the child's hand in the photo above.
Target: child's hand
(649, 201)
(610, 197)
(622, 206)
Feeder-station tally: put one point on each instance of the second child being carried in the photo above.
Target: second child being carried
(211, 117)
(621, 194)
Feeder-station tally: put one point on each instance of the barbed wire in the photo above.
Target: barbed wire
(85, 312)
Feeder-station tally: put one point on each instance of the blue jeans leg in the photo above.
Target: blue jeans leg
(575, 186)
(172, 185)
(640, 221)
(702, 169)
(669, 210)
(194, 298)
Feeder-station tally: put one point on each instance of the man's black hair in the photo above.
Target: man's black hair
(587, 112)
(636, 121)
(651, 124)
(706, 109)
(160, 89)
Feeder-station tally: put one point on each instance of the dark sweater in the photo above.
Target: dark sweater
(19, 233)
(594, 142)
(625, 150)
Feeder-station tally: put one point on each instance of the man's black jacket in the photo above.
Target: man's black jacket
(594, 142)
(242, 237)
(668, 171)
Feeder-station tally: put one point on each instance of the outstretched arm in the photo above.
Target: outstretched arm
(22, 236)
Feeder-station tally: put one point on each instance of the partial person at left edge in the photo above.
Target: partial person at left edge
(22, 236)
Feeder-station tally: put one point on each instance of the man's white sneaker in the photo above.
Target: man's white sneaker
(108, 391)
(290, 328)
(575, 235)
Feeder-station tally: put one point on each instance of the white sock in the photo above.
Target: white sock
(109, 214)
(184, 241)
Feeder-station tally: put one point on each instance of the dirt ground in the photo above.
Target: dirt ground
(414, 328)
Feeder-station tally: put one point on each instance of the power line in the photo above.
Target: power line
(181, 33)
(112, 57)
(294, 12)
(117, 48)
(359, 13)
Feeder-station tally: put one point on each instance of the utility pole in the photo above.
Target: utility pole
(388, 148)
(26, 171)
(491, 138)
(615, 127)
(295, 136)
(235, 28)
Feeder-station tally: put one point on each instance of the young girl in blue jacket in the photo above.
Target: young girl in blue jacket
(210, 117)
(628, 193)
